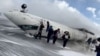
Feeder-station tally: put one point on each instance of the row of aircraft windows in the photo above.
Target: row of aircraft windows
(28, 27)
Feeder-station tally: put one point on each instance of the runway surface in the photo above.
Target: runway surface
(13, 42)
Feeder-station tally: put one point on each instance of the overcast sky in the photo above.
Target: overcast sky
(73, 13)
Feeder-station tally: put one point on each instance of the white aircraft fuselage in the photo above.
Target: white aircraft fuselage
(30, 24)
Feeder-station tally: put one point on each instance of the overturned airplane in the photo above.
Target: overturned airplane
(30, 24)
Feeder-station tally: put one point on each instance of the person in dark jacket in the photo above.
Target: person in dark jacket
(94, 41)
(50, 32)
(48, 25)
(65, 38)
(98, 47)
(55, 35)
(40, 30)
(89, 41)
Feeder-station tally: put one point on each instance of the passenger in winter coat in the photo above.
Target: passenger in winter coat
(55, 35)
(65, 38)
(50, 33)
(98, 47)
(40, 30)
(48, 25)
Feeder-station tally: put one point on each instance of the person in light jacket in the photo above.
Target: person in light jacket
(65, 37)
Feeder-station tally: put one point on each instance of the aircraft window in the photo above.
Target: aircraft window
(28, 27)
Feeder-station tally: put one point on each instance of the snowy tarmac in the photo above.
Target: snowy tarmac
(13, 42)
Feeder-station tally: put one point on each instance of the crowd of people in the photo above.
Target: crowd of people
(96, 44)
(52, 34)
(93, 45)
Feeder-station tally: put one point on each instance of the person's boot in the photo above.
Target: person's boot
(35, 36)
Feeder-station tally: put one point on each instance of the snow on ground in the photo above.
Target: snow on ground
(70, 53)
(13, 42)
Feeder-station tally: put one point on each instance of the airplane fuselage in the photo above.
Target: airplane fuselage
(30, 24)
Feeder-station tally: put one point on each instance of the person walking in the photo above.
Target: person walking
(50, 32)
(89, 41)
(98, 47)
(40, 30)
(55, 35)
(48, 25)
(65, 37)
